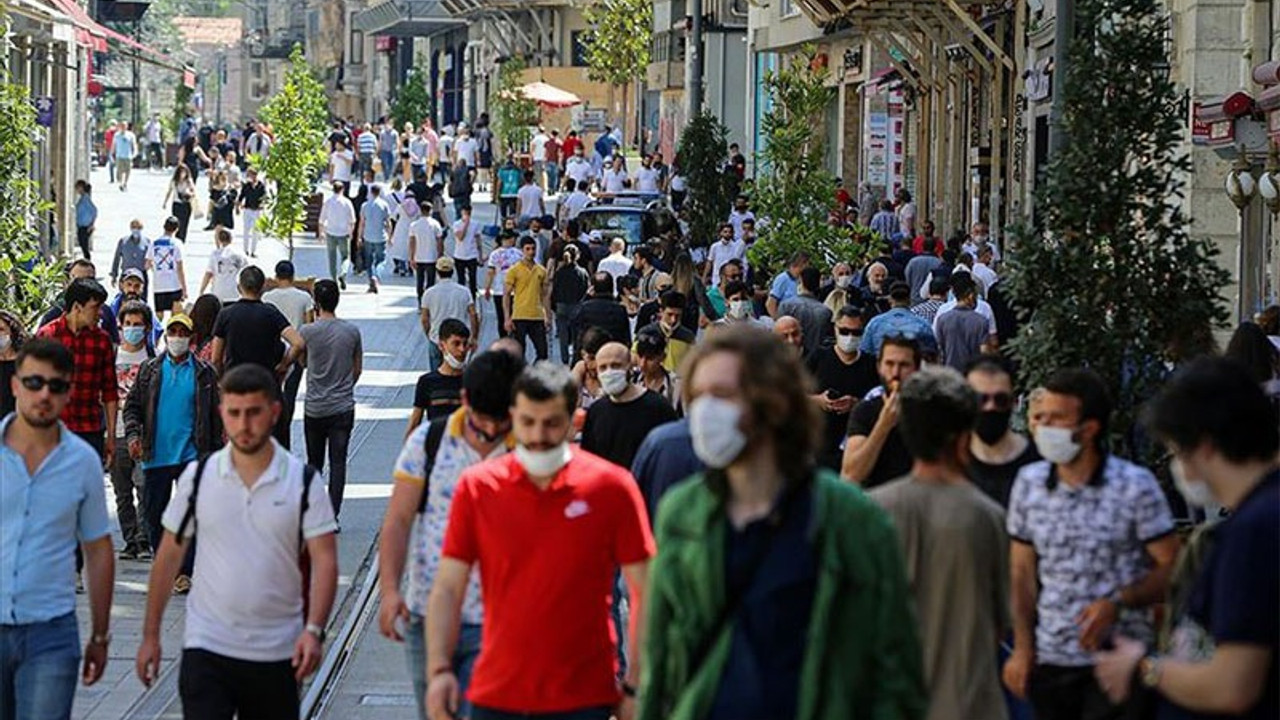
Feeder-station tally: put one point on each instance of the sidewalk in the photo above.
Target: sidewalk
(394, 356)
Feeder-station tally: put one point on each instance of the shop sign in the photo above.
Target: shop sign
(45, 107)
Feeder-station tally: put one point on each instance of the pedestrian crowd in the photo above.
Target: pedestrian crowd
(742, 493)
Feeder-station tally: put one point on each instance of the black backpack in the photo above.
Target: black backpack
(435, 433)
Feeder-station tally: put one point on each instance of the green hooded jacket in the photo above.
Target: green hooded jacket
(862, 656)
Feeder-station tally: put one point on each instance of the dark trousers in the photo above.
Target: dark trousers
(126, 477)
(1068, 693)
(182, 211)
(97, 440)
(156, 491)
(283, 431)
(83, 235)
(466, 273)
(596, 713)
(502, 315)
(333, 431)
(460, 203)
(216, 687)
(535, 330)
(425, 273)
(563, 335)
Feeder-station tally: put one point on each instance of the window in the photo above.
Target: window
(789, 8)
(357, 48)
(578, 54)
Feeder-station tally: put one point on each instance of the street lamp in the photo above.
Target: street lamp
(1269, 183)
(1240, 183)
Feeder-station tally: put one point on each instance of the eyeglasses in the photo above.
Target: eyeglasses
(36, 383)
(731, 278)
(1001, 400)
(845, 332)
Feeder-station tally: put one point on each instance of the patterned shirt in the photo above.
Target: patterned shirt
(453, 457)
(93, 383)
(1089, 542)
(927, 309)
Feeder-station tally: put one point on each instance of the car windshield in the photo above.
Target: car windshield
(611, 224)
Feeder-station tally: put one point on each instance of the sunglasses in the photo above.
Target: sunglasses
(845, 332)
(1002, 400)
(36, 383)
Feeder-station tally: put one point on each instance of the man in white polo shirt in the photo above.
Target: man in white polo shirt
(247, 645)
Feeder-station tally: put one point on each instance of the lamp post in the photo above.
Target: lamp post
(1241, 188)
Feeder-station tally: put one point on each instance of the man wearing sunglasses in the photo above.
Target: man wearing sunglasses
(51, 499)
(844, 375)
(996, 453)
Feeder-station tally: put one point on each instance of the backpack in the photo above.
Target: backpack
(304, 559)
(435, 433)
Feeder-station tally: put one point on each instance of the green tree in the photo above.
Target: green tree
(1110, 278)
(794, 192)
(617, 48)
(412, 103)
(299, 118)
(513, 113)
(701, 153)
(31, 283)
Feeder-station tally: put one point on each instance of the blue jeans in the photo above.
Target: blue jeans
(388, 159)
(374, 254)
(38, 669)
(553, 177)
(435, 356)
(464, 660)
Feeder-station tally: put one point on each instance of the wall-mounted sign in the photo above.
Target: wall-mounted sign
(45, 107)
(1209, 127)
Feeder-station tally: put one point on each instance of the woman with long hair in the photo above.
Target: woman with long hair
(222, 200)
(12, 336)
(684, 279)
(182, 188)
(203, 314)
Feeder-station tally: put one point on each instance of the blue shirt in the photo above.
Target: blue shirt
(664, 459)
(86, 211)
(784, 287)
(898, 322)
(375, 214)
(885, 224)
(175, 414)
(42, 518)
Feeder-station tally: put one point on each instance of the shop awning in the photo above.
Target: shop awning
(405, 18)
(88, 32)
(550, 95)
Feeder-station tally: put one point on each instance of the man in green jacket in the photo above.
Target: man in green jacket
(778, 591)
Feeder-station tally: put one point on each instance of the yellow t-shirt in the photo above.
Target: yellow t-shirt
(525, 282)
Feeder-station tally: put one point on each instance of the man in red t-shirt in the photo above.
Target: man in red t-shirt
(570, 144)
(548, 527)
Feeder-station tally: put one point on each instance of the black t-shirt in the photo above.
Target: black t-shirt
(252, 195)
(855, 380)
(1235, 596)
(997, 480)
(251, 331)
(7, 400)
(438, 395)
(894, 460)
(420, 191)
(614, 432)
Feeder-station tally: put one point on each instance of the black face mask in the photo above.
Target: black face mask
(992, 425)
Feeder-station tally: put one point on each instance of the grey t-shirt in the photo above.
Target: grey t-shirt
(292, 302)
(446, 299)
(374, 214)
(957, 557)
(332, 346)
(814, 317)
(961, 333)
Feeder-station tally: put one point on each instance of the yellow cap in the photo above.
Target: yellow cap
(181, 320)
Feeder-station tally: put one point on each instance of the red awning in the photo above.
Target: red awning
(550, 95)
(92, 34)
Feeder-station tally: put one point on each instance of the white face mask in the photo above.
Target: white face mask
(177, 346)
(842, 281)
(740, 309)
(1057, 445)
(1195, 491)
(613, 381)
(5, 341)
(713, 424)
(452, 361)
(543, 463)
(848, 343)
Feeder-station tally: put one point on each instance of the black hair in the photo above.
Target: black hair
(528, 240)
(83, 291)
(248, 379)
(937, 408)
(990, 363)
(1086, 386)
(134, 307)
(939, 285)
(810, 279)
(963, 285)
(203, 315)
(903, 342)
(1215, 400)
(735, 287)
(602, 285)
(723, 226)
(252, 280)
(1250, 347)
(488, 381)
(545, 381)
(731, 261)
(50, 351)
(899, 291)
(650, 344)
(285, 270)
(171, 223)
(850, 311)
(799, 256)
(528, 176)
(627, 282)
(326, 294)
(453, 327)
(570, 185)
(592, 339)
(81, 262)
(673, 299)
(647, 254)
(930, 245)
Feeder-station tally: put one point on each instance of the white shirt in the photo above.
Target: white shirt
(985, 275)
(425, 233)
(647, 179)
(500, 261)
(246, 592)
(466, 246)
(679, 183)
(983, 309)
(153, 131)
(165, 254)
(616, 264)
(464, 148)
(225, 264)
(577, 169)
(292, 302)
(538, 146)
(574, 204)
(338, 216)
(722, 252)
(614, 180)
(736, 218)
(342, 160)
(530, 201)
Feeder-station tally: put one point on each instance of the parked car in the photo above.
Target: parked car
(635, 217)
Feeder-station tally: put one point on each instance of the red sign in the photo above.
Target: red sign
(382, 43)
(1210, 132)
(189, 79)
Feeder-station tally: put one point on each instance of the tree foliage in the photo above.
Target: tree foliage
(1111, 279)
(299, 119)
(513, 113)
(703, 148)
(30, 281)
(617, 48)
(794, 191)
(412, 103)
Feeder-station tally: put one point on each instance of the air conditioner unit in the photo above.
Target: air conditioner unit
(731, 12)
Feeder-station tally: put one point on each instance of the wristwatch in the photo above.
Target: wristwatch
(1149, 671)
(316, 630)
(103, 639)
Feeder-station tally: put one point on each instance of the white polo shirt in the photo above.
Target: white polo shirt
(246, 592)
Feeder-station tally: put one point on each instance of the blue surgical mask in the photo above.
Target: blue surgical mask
(133, 335)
